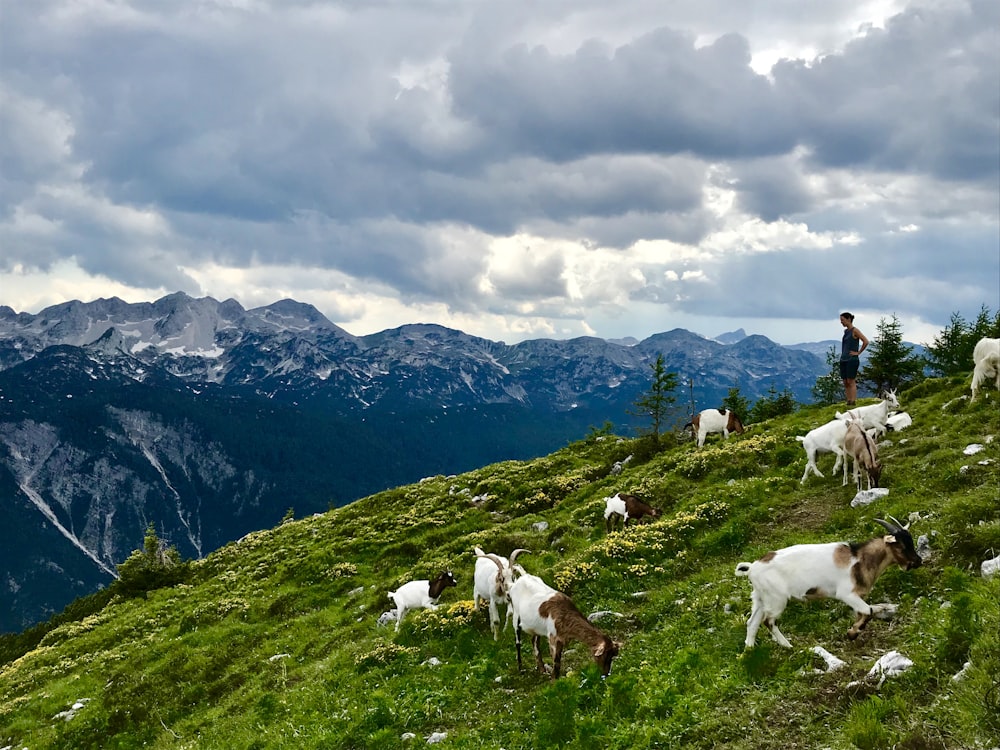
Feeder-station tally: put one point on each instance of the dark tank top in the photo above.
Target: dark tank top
(849, 344)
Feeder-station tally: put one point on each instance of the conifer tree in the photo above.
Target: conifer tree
(656, 402)
(737, 403)
(829, 388)
(891, 363)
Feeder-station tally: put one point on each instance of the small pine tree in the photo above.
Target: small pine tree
(737, 403)
(891, 363)
(656, 402)
(949, 354)
(156, 565)
(774, 404)
(829, 387)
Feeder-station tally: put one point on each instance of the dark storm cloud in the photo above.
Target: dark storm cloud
(143, 139)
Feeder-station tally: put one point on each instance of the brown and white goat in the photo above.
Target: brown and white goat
(715, 420)
(859, 446)
(835, 570)
(628, 507)
(540, 610)
(420, 594)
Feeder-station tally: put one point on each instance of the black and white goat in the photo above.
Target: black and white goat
(628, 507)
(836, 570)
(540, 610)
(421, 594)
(492, 581)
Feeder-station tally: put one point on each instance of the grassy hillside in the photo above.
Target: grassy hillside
(273, 642)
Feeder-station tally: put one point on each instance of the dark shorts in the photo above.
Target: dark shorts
(849, 368)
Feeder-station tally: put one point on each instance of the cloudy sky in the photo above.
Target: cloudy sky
(511, 169)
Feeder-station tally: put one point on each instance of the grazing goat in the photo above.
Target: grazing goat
(828, 438)
(421, 594)
(986, 362)
(715, 420)
(818, 571)
(492, 581)
(859, 446)
(540, 610)
(874, 415)
(628, 507)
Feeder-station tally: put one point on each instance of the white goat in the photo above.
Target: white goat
(874, 415)
(540, 610)
(828, 438)
(715, 420)
(421, 594)
(491, 584)
(898, 421)
(986, 361)
(859, 446)
(835, 570)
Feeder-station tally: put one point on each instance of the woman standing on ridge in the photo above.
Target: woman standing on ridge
(851, 346)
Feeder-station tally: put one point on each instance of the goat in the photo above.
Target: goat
(828, 438)
(874, 415)
(422, 594)
(898, 421)
(835, 570)
(715, 420)
(628, 507)
(986, 364)
(860, 446)
(540, 610)
(492, 581)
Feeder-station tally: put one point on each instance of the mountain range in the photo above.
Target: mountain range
(208, 420)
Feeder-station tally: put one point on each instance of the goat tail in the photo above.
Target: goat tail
(743, 569)
(800, 438)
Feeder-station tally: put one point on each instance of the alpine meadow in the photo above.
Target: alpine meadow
(275, 641)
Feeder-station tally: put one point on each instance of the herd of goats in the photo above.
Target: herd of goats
(839, 570)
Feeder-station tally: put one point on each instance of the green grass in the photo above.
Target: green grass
(272, 642)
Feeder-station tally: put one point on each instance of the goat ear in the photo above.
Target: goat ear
(599, 651)
(889, 539)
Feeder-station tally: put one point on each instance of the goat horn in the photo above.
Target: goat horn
(896, 521)
(515, 553)
(888, 526)
(496, 560)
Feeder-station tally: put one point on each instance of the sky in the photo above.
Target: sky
(512, 169)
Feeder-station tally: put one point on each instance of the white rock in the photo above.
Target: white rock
(971, 450)
(990, 567)
(540, 526)
(600, 614)
(437, 737)
(960, 675)
(279, 656)
(889, 665)
(866, 497)
(407, 736)
(832, 662)
(432, 662)
(884, 611)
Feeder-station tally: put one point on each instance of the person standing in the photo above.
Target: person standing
(851, 345)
